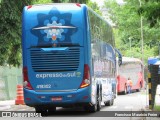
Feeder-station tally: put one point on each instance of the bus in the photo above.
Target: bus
(69, 57)
(154, 61)
(131, 68)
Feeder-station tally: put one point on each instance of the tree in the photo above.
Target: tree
(127, 21)
(10, 30)
(151, 10)
(95, 7)
(71, 1)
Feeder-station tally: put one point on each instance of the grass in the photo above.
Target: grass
(144, 92)
(157, 107)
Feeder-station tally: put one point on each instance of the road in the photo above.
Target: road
(131, 102)
(136, 101)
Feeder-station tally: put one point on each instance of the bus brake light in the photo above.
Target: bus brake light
(86, 77)
(29, 7)
(79, 5)
(26, 82)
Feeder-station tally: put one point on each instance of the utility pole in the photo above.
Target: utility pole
(142, 50)
(130, 46)
(159, 49)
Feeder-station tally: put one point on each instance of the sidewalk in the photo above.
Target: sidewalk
(6, 104)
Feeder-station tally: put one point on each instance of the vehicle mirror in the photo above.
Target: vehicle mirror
(119, 57)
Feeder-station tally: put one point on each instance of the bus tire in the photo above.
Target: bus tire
(99, 99)
(51, 110)
(97, 106)
(90, 108)
(109, 103)
(140, 87)
(125, 90)
(42, 110)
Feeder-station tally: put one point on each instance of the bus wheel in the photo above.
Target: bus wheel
(90, 108)
(140, 87)
(109, 103)
(42, 110)
(95, 107)
(125, 90)
(99, 99)
(51, 110)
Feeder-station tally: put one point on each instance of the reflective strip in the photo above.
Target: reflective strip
(149, 85)
(56, 90)
(149, 75)
(150, 106)
(52, 27)
(150, 97)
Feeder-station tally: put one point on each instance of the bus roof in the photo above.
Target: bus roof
(126, 60)
(154, 60)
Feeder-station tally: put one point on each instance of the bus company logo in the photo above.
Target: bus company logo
(6, 114)
(55, 33)
(20, 114)
(57, 26)
(78, 74)
(56, 75)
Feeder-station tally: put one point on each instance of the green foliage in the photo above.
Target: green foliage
(157, 108)
(41, 1)
(60, 1)
(151, 10)
(10, 28)
(95, 7)
(128, 29)
(70, 1)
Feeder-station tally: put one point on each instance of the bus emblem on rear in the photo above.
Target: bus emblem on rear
(54, 33)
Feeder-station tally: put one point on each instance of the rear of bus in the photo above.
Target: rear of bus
(130, 68)
(55, 56)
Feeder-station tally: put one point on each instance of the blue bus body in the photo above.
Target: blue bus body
(154, 61)
(68, 57)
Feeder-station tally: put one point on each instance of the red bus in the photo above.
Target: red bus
(131, 68)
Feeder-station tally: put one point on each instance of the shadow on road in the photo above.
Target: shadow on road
(74, 112)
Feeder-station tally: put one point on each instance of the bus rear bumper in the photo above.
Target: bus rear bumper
(58, 99)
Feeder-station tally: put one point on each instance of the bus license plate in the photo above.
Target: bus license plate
(56, 98)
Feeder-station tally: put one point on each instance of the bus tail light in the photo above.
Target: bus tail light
(26, 82)
(30, 6)
(86, 77)
(79, 5)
